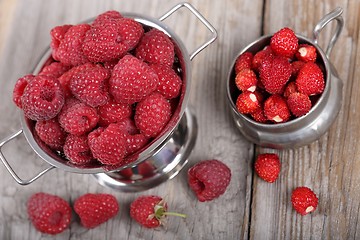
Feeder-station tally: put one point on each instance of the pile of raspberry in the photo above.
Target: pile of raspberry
(108, 90)
(280, 82)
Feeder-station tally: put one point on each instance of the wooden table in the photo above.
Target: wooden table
(251, 208)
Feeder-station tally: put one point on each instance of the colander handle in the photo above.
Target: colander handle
(333, 15)
(201, 18)
(10, 169)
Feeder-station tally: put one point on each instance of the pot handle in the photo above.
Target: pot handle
(201, 18)
(10, 169)
(333, 15)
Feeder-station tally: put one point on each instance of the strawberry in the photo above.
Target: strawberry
(289, 89)
(243, 61)
(310, 79)
(284, 42)
(209, 179)
(267, 166)
(260, 56)
(259, 115)
(248, 102)
(49, 213)
(304, 200)
(276, 109)
(246, 80)
(95, 209)
(299, 104)
(275, 72)
(150, 211)
(306, 53)
(296, 66)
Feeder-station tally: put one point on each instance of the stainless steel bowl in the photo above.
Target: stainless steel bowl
(305, 129)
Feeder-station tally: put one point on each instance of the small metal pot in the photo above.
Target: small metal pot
(164, 157)
(305, 129)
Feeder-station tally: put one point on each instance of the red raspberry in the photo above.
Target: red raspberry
(150, 211)
(276, 109)
(152, 114)
(246, 80)
(310, 79)
(132, 80)
(243, 61)
(78, 118)
(49, 213)
(169, 82)
(209, 179)
(267, 166)
(289, 89)
(57, 35)
(77, 150)
(304, 200)
(113, 112)
(101, 18)
(306, 53)
(284, 42)
(19, 88)
(299, 104)
(260, 56)
(156, 47)
(69, 51)
(90, 85)
(111, 39)
(95, 209)
(108, 144)
(51, 133)
(43, 98)
(275, 72)
(259, 116)
(134, 139)
(296, 66)
(248, 102)
(55, 69)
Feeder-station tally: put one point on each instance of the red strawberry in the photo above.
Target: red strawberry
(248, 102)
(209, 179)
(51, 133)
(77, 150)
(284, 42)
(132, 80)
(299, 104)
(296, 66)
(310, 79)
(275, 72)
(150, 211)
(289, 89)
(304, 200)
(243, 61)
(260, 56)
(156, 47)
(95, 209)
(246, 80)
(49, 213)
(267, 166)
(276, 109)
(19, 88)
(306, 53)
(259, 115)
(169, 82)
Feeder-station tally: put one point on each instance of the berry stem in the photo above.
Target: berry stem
(175, 214)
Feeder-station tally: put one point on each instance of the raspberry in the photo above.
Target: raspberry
(78, 118)
(95, 209)
(101, 18)
(260, 56)
(113, 112)
(77, 150)
(259, 116)
(132, 80)
(49, 213)
(246, 80)
(243, 61)
(169, 82)
(51, 133)
(304, 200)
(108, 144)
(152, 114)
(208, 179)
(19, 88)
(284, 42)
(43, 98)
(248, 102)
(156, 47)
(90, 85)
(150, 211)
(289, 89)
(55, 69)
(310, 79)
(299, 104)
(134, 139)
(275, 73)
(306, 53)
(276, 109)
(111, 39)
(69, 51)
(267, 166)
(57, 35)
(296, 66)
